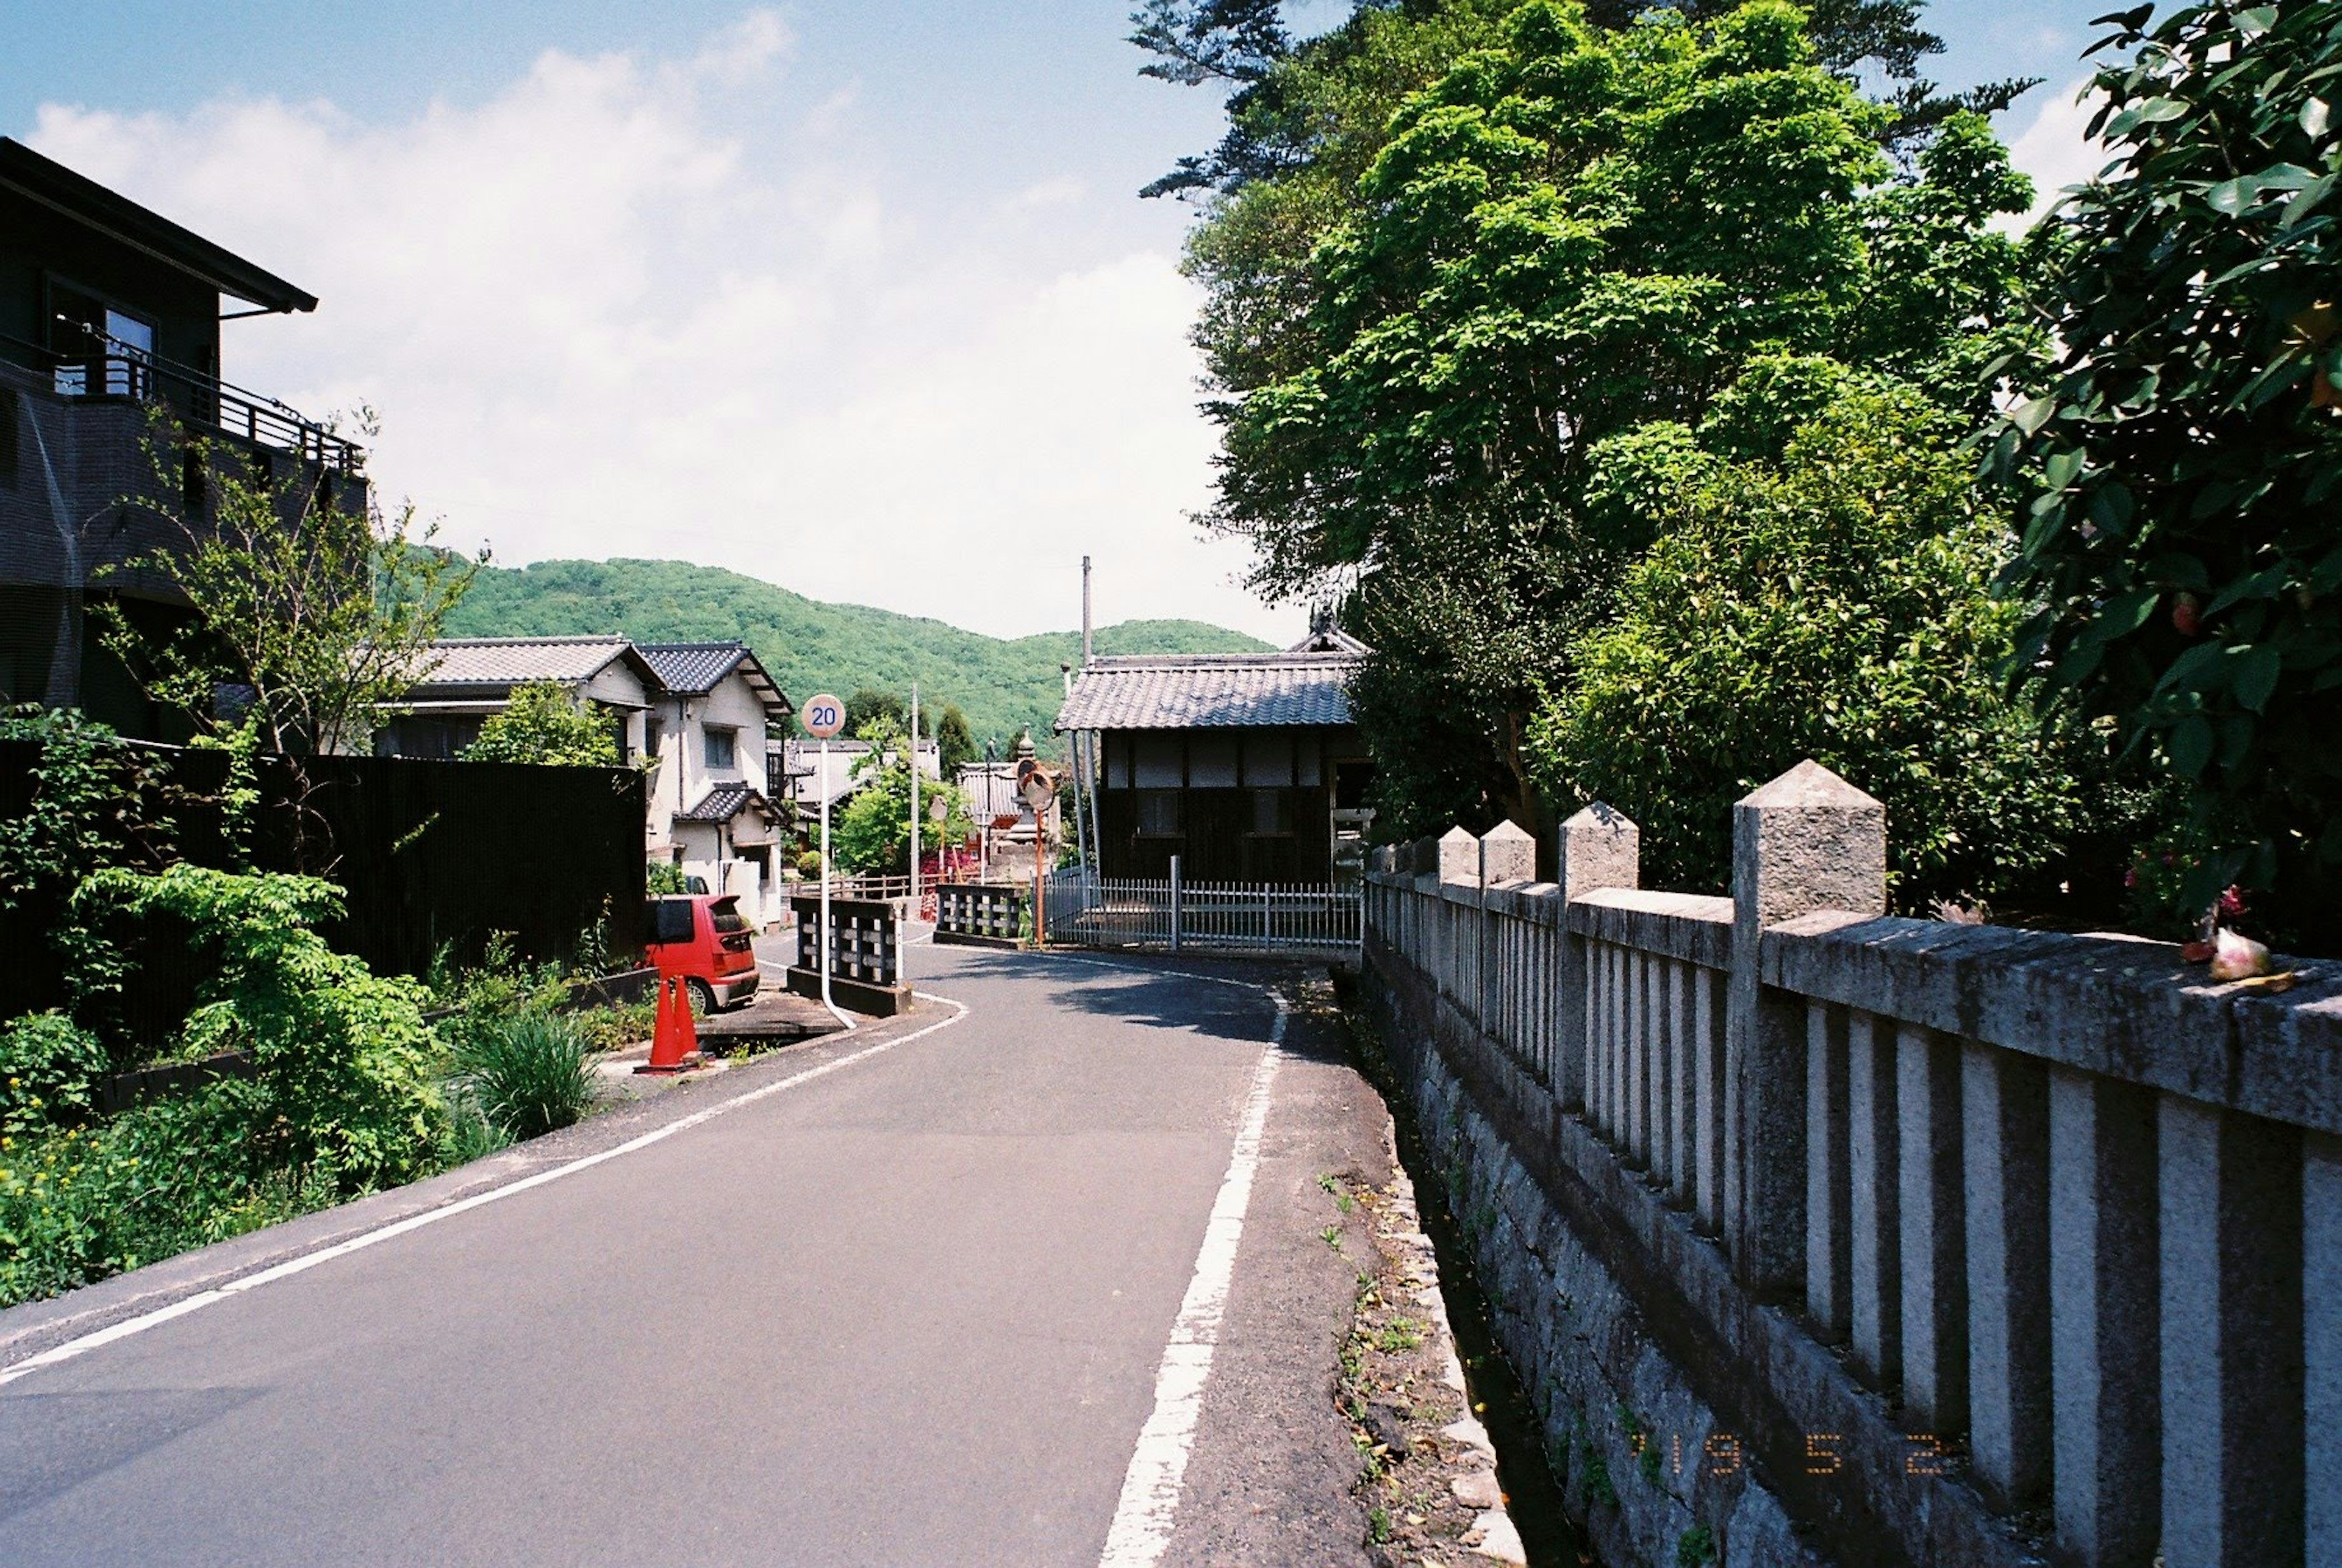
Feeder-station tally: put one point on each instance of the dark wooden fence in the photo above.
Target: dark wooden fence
(430, 853)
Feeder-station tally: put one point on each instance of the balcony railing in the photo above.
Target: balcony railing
(121, 373)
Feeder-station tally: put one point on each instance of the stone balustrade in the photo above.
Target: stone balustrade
(1990, 1245)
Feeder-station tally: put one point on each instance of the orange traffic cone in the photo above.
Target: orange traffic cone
(674, 1044)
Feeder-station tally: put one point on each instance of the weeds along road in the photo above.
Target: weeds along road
(912, 1310)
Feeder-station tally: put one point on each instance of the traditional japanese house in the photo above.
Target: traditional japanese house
(1247, 766)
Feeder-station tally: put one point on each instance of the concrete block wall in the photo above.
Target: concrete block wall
(1985, 1246)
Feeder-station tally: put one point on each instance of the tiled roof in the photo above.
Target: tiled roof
(722, 802)
(1154, 692)
(689, 669)
(511, 661)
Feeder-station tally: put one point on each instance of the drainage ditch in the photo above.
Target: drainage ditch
(1532, 1495)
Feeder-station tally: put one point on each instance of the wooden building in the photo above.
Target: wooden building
(1246, 765)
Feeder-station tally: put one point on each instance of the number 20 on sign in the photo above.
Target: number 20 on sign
(823, 717)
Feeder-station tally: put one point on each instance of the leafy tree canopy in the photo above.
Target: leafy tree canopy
(1829, 602)
(872, 836)
(1573, 233)
(1277, 118)
(955, 742)
(2182, 469)
(542, 724)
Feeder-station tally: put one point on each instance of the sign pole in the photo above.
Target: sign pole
(823, 717)
(915, 800)
(825, 1001)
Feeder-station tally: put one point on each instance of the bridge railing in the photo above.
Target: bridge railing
(1173, 914)
(2067, 1214)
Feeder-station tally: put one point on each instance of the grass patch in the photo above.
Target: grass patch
(527, 1074)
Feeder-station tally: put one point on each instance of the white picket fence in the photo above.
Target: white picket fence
(1087, 910)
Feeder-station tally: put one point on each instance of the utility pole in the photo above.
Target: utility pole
(915, 800)
(1086, 612)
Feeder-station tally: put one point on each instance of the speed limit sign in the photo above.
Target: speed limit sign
(823, 716)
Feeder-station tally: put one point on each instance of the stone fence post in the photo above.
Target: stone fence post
(1807, 841)
(1599, 848)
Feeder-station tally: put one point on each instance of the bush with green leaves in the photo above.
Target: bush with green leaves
(1832, 605)
(872, 834)
(543, 723)
(2181, 471)
(344, 1090)
(663, 877)
(49, 1069)
(80, 1204)
(527, 1073)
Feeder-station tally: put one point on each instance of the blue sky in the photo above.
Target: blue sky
(855, 297)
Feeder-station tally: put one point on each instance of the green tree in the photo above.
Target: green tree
(1276, 118)
(2181, 473)
(312, 616)
(1833, 603)
(315, 612)
(955, 742)
(872, 834)
(872, 705)
(542, 724)
(1572, 234)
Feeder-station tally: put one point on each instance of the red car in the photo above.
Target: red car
(704, 939)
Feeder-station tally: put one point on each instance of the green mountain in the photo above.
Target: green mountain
(811, 646)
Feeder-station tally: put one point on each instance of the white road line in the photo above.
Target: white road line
(306, 1260)
(1150, 1505)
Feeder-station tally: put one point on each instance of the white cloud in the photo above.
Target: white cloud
(603, 314)
(2053, 148)
(1059, 191)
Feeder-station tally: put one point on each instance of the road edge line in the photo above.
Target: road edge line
(1149, 1507)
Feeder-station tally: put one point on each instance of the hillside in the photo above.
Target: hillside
(810, 645)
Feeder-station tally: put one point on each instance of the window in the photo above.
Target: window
(1272, 812)
(1158, 813)
(652, 730)
(720, 747)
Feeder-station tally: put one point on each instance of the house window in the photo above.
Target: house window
(1158, 813)
(652, 730)
(1272, 812)
(721, 747)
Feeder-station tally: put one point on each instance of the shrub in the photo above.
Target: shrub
(663, 877)
(344, 1094)
(542, 724)
(79, 1204)
(48, 1073)
(1835, 606)
(527, 1074)
(2182, 472)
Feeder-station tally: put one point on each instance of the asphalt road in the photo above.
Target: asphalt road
(908, 1311)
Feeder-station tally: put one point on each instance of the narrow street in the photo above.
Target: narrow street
(907, 1304)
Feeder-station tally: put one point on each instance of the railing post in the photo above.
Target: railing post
(1508, 855)
(2105, 1420)
(1599, 848)
(1807, 841)
(2321, 1288)
(2005, 1143)
(1457, 861)
(2230, 1227)
(1175, 904)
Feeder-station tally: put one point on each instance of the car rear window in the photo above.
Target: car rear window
(725, 913)
(670, 920)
